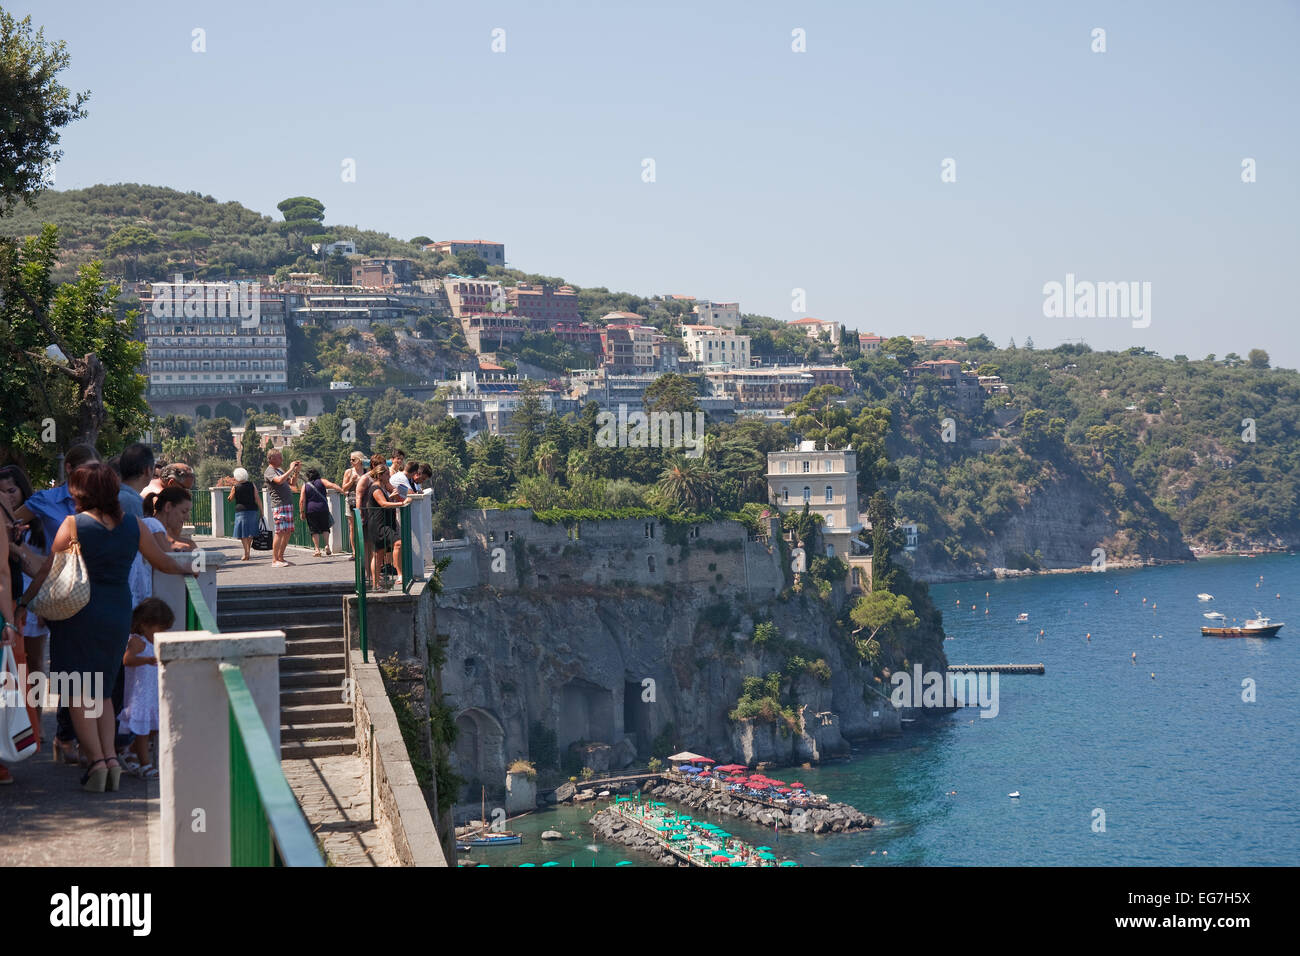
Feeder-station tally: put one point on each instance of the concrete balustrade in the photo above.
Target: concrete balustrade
(171, 587)
(194, 734)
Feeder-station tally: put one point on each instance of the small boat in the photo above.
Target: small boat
(1214, 616)
(1022, 618)
(1204, 597)
(1014, 794)
(1255, 627)
(504, 838)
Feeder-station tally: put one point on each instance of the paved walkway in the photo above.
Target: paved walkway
(46, 819)
(334, 793)
(257, 570)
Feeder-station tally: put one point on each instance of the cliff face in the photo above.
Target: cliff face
(1064, 520)
(559, 638)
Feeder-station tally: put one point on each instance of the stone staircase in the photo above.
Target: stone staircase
(315, 721)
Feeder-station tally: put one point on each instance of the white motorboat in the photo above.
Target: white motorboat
(1214, 616)
(1204, 597)
(1022, 618)
(1014, 794)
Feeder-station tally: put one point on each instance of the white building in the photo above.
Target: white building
(724, 314)
(713, 345)
(814, 328)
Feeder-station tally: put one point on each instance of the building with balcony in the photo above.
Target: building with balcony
(474, 296)
(210, 351)
(715, 345)
(760, 389)
(545, 305)
(813, 328)
(826, 481)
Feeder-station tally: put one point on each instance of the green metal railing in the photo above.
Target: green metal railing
(267, 827)
(359, 566)
(201, 512)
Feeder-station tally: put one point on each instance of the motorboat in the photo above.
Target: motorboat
(1204, 597)
(1014, 794)
(1256, 627)
(1214, 616)
(1022, 618)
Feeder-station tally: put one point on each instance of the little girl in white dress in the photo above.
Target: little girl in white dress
(140, 713)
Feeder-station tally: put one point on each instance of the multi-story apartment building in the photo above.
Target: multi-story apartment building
(840, 375)
(965, 387)
(580, 334)
(714, 345)
(335, 307)
(474, 296)
(201, 348)
(383, 273)
(544, 304)
(870, 342)
(492, 253)
(761, 389)
(721, 314)
(489, 331)
(814, 328)
(627, 345)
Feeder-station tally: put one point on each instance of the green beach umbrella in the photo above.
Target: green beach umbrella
(624, 863)
(737, 863)
(551, 863)
(527, 864)
(760, 849)
(789, 863)
(766, 856)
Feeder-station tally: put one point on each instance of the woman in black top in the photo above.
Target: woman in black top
(247, 510)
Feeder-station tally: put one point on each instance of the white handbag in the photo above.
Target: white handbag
(17, 739)
(67, 587)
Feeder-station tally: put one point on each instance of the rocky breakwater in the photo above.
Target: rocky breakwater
(831, 818)
(612, 828)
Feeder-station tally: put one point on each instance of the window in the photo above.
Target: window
(807, 494)
(828, 465)
(830, 494)
(806, 467)
(785, 467)
(785, 496)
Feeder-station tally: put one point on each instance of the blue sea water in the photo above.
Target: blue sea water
(1185, 770)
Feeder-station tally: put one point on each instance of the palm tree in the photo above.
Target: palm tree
(548, 456)
(688, 483)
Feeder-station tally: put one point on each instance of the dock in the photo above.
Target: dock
(997, 668)
(690, 841)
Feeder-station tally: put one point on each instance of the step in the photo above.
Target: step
(295, 594)
(316, 713)
(280, 617)
(322, 731)
(319, 679)
(311, 662)
(291, 697)
(306, 749)
(297, 646)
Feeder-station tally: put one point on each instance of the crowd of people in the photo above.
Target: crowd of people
(123, 517)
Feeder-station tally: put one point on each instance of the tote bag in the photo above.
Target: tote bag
(67, 587)
(17, 738)
(262, 540)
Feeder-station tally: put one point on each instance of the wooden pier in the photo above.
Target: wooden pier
(998, 668)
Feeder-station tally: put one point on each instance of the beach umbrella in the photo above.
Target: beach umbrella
(551, 863)
(716, 858)
(689, 769)
(738, 863)
(760, 849)
(527, 864)
(624, 863)
(788, 863)
(480, 866)
(766, 856)
(782, 789)
(797, 784)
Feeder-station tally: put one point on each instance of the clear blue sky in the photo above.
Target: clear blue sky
(775, 170)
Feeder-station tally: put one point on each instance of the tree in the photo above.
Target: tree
(88, 383)
(36, 107)
(1029, 343)
(303, 216)
(876, 612)
(901, 348)
(214, 439)
(251, 454)
(1257, 358)
(470, 263)
(129, 242)
(688, 484)
(191, 240)
(672, 393)
(421, 241)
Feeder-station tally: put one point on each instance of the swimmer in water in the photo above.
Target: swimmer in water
(1135, 657)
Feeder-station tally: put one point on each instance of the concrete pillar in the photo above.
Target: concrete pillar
(218, 498)
(421, 508)
(194, 734)
(339, 529)
(521, 793)
(171, 587)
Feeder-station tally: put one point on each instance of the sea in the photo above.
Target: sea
(1186, 754)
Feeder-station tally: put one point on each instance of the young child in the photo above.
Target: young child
(140, 716)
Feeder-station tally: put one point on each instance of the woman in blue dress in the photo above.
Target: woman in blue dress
(90, 644)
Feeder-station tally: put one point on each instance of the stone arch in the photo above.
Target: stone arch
(480, 749)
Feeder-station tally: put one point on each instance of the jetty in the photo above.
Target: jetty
(997, 668)
(675, 838)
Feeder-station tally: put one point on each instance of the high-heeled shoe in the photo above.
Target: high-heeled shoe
(114, 775)
(65, 750)
(94, 780)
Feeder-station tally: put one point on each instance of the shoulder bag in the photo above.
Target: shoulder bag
(67, 587)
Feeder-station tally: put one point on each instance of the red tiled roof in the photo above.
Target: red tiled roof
(807, 320)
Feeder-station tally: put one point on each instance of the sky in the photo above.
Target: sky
(774, 170)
